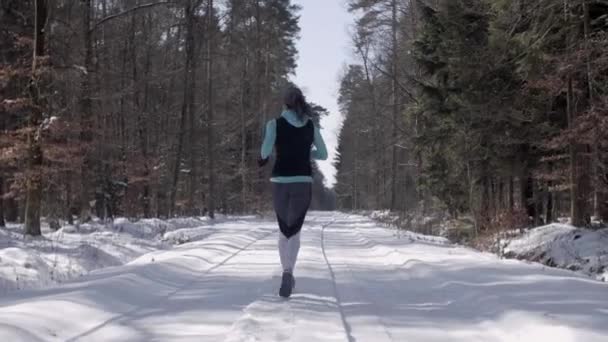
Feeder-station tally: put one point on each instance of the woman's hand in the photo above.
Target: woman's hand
(262, 162)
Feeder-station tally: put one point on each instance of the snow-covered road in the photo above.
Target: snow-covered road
(355, 282)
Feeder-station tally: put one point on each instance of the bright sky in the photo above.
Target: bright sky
(323, 52)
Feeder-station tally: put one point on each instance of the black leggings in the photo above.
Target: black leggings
(291, 202)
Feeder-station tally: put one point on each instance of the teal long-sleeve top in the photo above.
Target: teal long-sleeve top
(319, 151)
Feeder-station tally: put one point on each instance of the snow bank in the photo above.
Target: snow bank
(72, 251)
(433, 223)
(384, 216)
(563, 246)
(152, 228)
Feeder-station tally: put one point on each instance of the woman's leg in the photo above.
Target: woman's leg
(300, 195)
(289, 254)
(284, 253)
(299, 202)
(280, 195)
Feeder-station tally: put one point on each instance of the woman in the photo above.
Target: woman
(293, 136)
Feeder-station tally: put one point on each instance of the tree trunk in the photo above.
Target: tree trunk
(511, 193)
(355, 175)
(86, 125)
(34, 172)
(538, 203)
(529, 197)
(598, 187)
(578, 200)
(142, 116)
(193, 132)
(257, 86)
(2, 223)
(34, 186)
(492, 204)
(527, 185)
(210, 108)
(394, 105)
(578, 168)
(68, 198)
(166, 203)
(549, 204)
(121, 120)
(500, 196)
(603, 205)
(484, 216)
(377, 134)
(548, 197)
(188, 91)
(12, 210)
(53, 207)
(243, 123)
(557, 205)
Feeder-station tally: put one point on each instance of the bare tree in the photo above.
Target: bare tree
(210, 110)
(35, 157)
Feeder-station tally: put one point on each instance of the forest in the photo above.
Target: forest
(139, 108)
(492, 109)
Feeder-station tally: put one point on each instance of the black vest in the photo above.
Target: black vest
(293, 146)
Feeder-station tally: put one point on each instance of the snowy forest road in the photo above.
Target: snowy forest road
(355, 282)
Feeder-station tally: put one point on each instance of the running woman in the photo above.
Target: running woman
(293, 135)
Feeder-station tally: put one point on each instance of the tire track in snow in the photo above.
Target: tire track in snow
(346, 325)
(372, 326)
(186, 286)
(377, 329)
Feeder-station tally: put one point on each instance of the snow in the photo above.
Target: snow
(27, 263)
(564, 246)
(356, 281)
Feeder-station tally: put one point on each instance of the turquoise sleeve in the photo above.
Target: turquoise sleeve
(320, 150)
(269, 138)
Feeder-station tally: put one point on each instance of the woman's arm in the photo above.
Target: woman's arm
(320, 150)
(269, 137)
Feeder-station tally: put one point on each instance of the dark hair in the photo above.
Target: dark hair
(294, 100)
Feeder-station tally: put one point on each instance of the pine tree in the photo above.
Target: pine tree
(506, 101)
